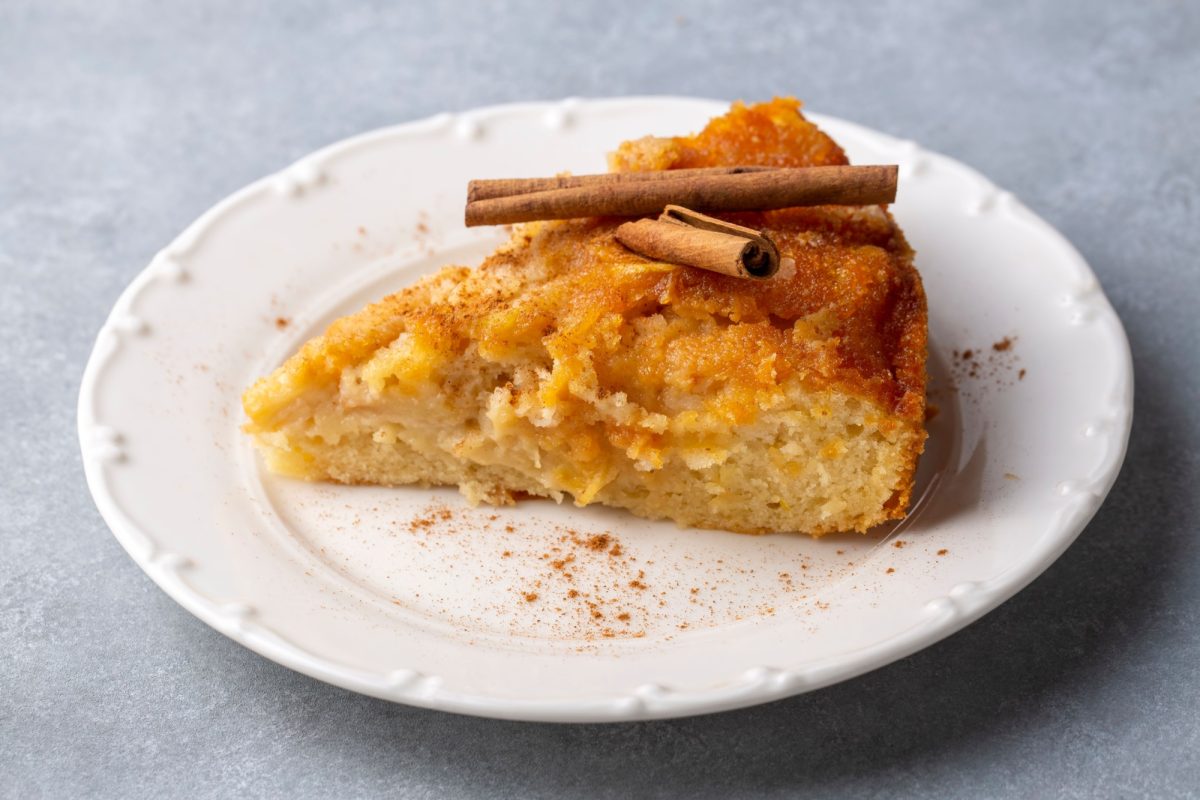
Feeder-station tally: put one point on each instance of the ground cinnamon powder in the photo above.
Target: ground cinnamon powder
(589, 585)
(603, 600)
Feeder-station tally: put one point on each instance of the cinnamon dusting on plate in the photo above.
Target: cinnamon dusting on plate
(993, 363)
(591, 586)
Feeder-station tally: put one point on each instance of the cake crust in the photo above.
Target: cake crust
(567, 365)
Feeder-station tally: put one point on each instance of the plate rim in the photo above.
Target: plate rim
(756, 685)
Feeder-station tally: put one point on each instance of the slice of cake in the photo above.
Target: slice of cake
(566, 366)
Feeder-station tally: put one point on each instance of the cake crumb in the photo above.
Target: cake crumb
(942, 552)
(1004, 344)
(531, 596)
(890, 570)
(282, 322)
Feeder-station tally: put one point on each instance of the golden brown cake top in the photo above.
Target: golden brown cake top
(773, 134)
(602, 320)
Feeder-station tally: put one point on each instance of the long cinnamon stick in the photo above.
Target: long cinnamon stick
(507, 187)
(749, 191)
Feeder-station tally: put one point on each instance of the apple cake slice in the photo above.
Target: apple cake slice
(568, 366)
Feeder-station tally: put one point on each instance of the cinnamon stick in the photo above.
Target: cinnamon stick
(683, 236)
(747, 191)
(507, 187)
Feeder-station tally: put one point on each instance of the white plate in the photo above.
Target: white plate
(371, 590)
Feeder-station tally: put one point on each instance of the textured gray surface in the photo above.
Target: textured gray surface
(121, 121)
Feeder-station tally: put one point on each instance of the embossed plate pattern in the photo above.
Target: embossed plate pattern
(410, 595)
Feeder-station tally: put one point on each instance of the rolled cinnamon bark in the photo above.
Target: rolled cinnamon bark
(749, 191)
(681, 236)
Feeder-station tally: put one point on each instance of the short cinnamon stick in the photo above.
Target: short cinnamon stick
(748, 191)
(683, 236)
(507, 187)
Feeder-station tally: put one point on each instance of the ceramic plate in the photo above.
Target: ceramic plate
(546, 612)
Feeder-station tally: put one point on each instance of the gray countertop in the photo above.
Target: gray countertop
(121, 121)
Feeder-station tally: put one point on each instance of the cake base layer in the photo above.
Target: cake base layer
(818, 463)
